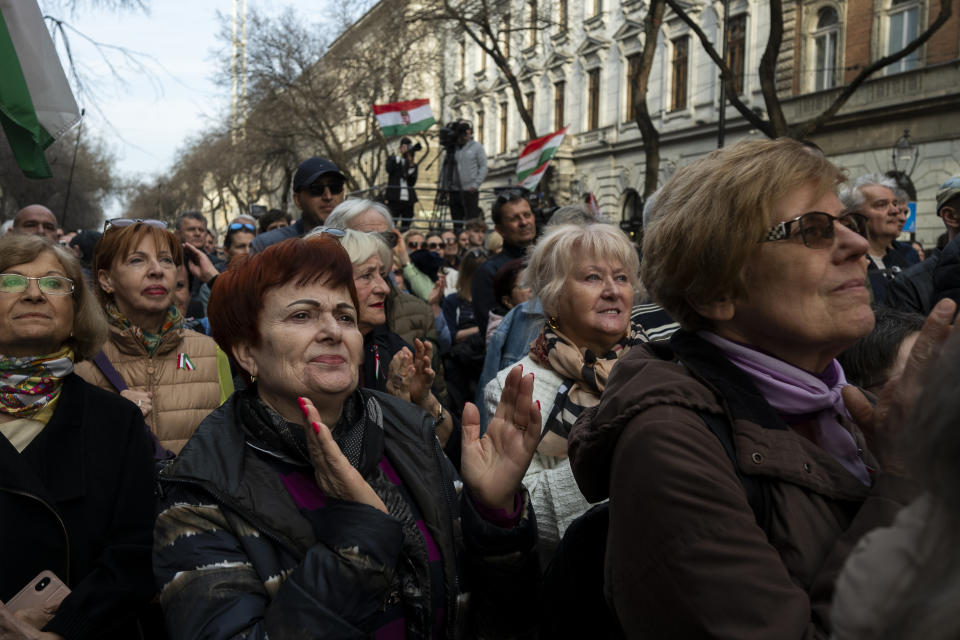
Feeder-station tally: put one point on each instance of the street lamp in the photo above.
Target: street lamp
(904, 155)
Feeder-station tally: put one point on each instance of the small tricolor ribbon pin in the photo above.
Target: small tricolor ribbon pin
(376, 361)
(184, 362)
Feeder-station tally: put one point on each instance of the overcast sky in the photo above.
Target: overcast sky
(153, 113)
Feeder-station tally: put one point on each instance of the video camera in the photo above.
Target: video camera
(451, 133)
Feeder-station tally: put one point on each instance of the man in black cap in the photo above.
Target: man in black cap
(401, 177)
(317, 189)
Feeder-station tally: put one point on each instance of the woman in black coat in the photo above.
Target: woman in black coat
(76, 467)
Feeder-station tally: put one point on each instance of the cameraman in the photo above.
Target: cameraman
(401, 178)
(470, 174)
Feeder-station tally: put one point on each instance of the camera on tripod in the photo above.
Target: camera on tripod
(451, 133)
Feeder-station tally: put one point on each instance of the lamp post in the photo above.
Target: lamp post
(904, 156)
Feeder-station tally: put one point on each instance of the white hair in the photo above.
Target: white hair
(362, 246)
(852, 197)
(347, 210)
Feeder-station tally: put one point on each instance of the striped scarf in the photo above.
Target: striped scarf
(151, 341)
(584, 373)
(29, 384)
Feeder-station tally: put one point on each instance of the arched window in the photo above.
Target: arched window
(825, 63)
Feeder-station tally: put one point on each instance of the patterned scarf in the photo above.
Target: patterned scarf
(584, 373)
(29, 384)
(149, 340)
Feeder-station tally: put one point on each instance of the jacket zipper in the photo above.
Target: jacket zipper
(56, 515)
(450, 495)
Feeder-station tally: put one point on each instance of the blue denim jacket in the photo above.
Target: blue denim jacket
(508, 344)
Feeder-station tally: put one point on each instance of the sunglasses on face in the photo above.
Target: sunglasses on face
(318, 189)
(816, 229)
(53, 285)
(243, 225)
(433, 246)
(126, 222)
(414, 245)
(449, 240)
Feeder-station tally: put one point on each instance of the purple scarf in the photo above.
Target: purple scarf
(800, 396)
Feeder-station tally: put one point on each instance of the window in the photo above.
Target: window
(503, 127)
(562, 15)
(904, 18)
(463, 59)
(633, 68)
(532, 23)
(736, 49)
(480, 124)
(593, 99)
(528, 102)
(597, 7)
(558, 90)
(483, 56)
(825, 65)
(680, 65)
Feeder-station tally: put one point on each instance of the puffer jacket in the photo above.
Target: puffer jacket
(685, 555)
(235, 558)
(182, 398)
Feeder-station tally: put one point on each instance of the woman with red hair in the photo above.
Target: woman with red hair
(308, 507)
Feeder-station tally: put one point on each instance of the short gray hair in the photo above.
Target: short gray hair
(852, 197)
(361, 246)
(347, 210)
(572, 214)
(550, 262)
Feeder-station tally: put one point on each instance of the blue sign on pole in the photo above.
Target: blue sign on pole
(910, 226)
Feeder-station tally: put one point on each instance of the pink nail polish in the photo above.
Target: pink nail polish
(316, 428)
(533, 376)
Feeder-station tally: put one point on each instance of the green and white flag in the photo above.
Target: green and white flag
(403, 118)
(36, 104)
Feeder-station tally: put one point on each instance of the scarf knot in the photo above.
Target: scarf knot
(30, 383)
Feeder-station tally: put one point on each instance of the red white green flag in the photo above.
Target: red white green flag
(403, 118)
(36, 104)
(536, 156)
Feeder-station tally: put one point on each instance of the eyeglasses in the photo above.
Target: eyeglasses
(243, 225)
(53, 285)
(414, 245)
(333, 232)
(450, 241)
(387, 236)
(816, 228)
(126, 222)
(433, 246)
(317, 189)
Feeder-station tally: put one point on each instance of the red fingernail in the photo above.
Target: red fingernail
(533, 376)
(521, 369)
(316, 428)
(538, 405)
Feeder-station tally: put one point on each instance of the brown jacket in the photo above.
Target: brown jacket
(685, 556)
(181, 398)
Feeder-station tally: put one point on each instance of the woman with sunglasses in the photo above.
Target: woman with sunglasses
(176, 376)
(740, 467)
(238, 239)
(76, 475)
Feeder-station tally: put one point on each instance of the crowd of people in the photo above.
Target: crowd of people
(354, 424)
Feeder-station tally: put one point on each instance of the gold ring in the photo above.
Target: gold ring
(140, 403)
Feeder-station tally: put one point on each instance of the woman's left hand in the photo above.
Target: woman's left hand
(436, 294)
(423, 374)
(12, 628)
(493, 466)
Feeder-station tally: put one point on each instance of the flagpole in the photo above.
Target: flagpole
(73, 164)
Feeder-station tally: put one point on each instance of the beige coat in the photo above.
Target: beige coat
(182, 398)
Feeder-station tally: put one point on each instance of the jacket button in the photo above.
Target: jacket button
(807, 467)
(859, 452)
(757, 457)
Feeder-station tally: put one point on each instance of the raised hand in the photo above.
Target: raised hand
(200, 265)
(331, 469)
(423, 373)
(436, 294)
(399, 373)
(883, 424)
(493, 466)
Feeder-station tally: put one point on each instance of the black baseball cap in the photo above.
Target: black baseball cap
(311, 169)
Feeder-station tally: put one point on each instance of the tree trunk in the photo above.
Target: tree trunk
(640, 83)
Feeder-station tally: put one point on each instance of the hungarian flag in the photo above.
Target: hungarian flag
(36, 104)
(536, 156)
(403, 118)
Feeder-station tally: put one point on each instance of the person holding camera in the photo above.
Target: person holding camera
(470, 173)
(401, 178)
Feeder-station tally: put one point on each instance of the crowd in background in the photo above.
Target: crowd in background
(355, 423)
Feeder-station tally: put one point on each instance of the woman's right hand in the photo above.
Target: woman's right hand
(883, 424)
(400, 251)
(331, 469)
(143, 399)
(12, 627)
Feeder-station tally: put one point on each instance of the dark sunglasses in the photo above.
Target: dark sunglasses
(318, 189)
(433, 246)
(511, 194)
(816, 229)
(126, 222)
(387, 236)
(328, 231)
(243, 225)
(414, 245)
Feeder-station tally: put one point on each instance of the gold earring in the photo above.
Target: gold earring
(553, 323)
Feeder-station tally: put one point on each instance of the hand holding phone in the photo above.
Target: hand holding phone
(44, 593)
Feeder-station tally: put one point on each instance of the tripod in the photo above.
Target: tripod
(442, 200)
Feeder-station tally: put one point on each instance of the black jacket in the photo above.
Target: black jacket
(481, 288)
(913, 289)
(79, 502)
(400, 167)
(235, 557)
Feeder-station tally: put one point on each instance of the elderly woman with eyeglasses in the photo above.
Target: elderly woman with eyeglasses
(307, 506)
(740, 467)
(76, 474)
(176, 376)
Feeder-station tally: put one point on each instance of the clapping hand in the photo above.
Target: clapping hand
(493, 466)
(883, 424)
(331, 469)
